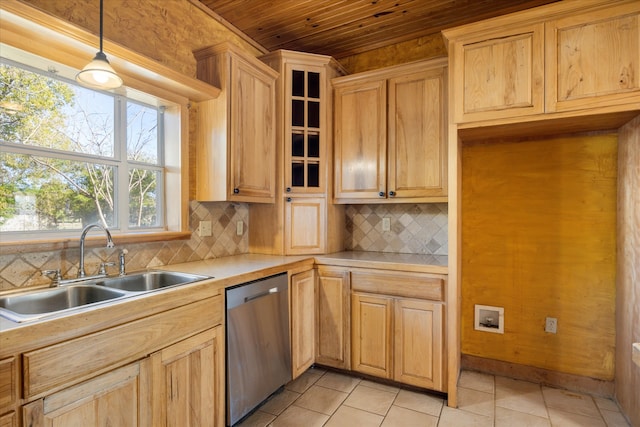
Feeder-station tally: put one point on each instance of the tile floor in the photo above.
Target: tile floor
(325, 398)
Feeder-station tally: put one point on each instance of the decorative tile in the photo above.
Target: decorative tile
(23, 270)
(417, 228)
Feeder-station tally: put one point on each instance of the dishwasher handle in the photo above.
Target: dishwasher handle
(260, 295)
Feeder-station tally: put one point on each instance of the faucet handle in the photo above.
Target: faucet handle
(54, 275)
(104, 265)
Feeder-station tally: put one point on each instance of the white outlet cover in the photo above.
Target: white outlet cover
(204, 229)
(551, 325)
(488, 318)
(386, 224)
(239, 228)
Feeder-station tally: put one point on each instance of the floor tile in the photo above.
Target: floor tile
(303, 382)
(383, 387)
(370, 399)
(569, 401)
(339, 382)
(521, 396)
(257, 419)
(475, 401)
(606, 404)
(510, 418)
(295, 416)
(352, 417)
(321, 399)
(402, 417)
(420, 402)
(452, 417)
(477, 381)
(614, 419)
(569, 419)
(279, 402)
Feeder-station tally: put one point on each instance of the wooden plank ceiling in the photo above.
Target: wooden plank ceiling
(342, 28)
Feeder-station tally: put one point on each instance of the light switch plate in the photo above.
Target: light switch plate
(386, 224)
(204, 229)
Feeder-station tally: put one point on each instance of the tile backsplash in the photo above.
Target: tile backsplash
(414, 228)
(24, 269)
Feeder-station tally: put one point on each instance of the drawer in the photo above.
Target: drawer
(51, 368)
(398, 283)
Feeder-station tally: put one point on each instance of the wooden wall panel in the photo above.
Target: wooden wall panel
(413, 50)
(538, 238)
(628, 275)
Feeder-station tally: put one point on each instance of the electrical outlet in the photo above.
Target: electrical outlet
(551, 325)
(239, 228)
(204, 229)
(386, 224)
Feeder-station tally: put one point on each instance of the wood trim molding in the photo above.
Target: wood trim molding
(538, 375)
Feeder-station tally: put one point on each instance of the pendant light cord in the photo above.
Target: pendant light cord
(101, 18)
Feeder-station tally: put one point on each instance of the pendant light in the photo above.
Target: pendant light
(98, 73)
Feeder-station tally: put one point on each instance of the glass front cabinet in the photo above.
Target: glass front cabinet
(303, 219)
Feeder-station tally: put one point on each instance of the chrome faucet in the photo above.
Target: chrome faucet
(110, 244)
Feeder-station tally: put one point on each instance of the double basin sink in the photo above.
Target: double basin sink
(38, 304)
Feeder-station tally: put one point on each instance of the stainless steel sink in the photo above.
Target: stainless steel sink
(41, 303)
(150, 281)
(37, 304)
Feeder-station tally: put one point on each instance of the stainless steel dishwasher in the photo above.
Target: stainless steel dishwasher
(258, 347)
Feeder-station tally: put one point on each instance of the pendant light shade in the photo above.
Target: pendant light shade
(98, 73)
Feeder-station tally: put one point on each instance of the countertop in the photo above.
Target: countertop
(437, 264)
(226, 271)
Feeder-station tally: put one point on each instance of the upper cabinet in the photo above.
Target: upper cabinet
(594, 58)
(576, 58)
(390, 134)
(235, 137)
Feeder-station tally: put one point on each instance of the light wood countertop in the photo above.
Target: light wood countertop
(436, 264)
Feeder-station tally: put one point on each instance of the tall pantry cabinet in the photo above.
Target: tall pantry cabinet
(302, 220)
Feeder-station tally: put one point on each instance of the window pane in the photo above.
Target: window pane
(42, 111)
(143, 198)
(142, 133)
(40, 193)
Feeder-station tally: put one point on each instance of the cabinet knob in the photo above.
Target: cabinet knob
(288, 199)
(392, 193)
(381, 194)
(236, 190)
(288, 190)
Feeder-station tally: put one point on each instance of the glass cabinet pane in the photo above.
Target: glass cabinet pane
(297, 112)
(297, 145)
(313, 145)
(297, 174)
(313, 85)
(313, 175)
(297, 83)
(314, 114)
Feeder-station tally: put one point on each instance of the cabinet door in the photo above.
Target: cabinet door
(360, 140)
(252, 153)
(417, 135)
(593, 59)
(333, 318)
(418, 343)
(305, 138)
(499, 75)
(302, 321)
(117, 398)
(371, 334)
(305, 225)
(188, 382)
(9, 420)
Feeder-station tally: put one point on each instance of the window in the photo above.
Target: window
(71, 156)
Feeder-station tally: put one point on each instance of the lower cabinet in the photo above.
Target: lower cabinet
(302, 297)
(398, 338)
(333, 317)
(181, 385)
(188, 382)
(117, 398)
